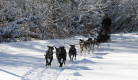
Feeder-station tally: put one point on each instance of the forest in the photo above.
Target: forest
(25, 20)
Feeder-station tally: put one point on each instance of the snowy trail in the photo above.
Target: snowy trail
(112, 61)
(54, 72)
(42, 73)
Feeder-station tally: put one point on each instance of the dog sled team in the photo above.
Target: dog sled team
(61, 53)
(103, 36)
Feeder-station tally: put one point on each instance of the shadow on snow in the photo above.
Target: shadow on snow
(17, 60)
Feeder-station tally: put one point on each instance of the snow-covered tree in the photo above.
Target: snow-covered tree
(50, 19)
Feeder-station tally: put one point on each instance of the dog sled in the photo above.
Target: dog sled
(103, 36)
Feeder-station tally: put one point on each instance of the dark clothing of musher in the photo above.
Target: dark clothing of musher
(106, 24)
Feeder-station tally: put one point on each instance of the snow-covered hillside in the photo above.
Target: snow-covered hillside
(49, 19)
(116, 60)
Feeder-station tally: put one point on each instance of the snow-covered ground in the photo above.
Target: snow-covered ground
(116, 60)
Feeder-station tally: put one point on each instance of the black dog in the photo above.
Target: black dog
(49, 55)
(61, 55)
(72, 52)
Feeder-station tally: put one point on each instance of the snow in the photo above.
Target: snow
(116, 60)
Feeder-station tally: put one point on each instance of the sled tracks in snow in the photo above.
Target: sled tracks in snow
(43, 73)
(51, 73)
